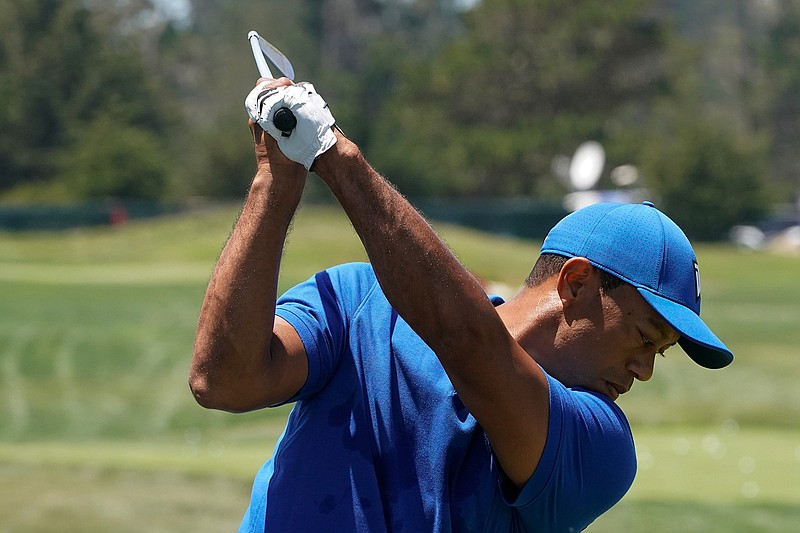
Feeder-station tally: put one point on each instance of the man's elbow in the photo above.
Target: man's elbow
(202, 390)
(209, 398)
(211, 395)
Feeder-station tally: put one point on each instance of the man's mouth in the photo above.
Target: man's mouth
(615, 390)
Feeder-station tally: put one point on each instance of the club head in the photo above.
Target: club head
(263, 50)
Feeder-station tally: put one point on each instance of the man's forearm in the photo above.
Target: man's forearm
(236, 320)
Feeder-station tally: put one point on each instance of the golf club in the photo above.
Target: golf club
(263, 50)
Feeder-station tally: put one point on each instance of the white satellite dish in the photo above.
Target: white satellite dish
(625, 175)
(586, 165)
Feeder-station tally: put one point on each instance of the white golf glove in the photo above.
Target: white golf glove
(311, 136)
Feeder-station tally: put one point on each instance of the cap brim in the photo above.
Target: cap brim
(697, 340)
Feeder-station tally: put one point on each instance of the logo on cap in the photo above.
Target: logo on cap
(697, 280)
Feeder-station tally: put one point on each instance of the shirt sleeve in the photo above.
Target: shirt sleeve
(588, 464)
(319, 310)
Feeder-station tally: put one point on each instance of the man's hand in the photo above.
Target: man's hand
(310, 134)
(268, 154)
(269, 157)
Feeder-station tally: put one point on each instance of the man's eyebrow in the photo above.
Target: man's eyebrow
(664, 331)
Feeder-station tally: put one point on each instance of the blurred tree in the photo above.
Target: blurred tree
(114, 159)
(780, 61)
(527, 81)
(707, 152)
(708, 175)
(445, 100)
(59, 72)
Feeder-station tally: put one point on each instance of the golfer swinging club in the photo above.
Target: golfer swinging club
(421, 404)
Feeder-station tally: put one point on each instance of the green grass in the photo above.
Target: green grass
(59, 499)
(98, 430)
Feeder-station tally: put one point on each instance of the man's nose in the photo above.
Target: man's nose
(641, 366)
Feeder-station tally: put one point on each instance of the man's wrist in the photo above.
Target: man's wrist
(287, 185)
(337, 158)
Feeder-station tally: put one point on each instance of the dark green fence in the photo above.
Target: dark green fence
(516, 217)
(57, 217)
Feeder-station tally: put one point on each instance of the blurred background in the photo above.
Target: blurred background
(124, 154)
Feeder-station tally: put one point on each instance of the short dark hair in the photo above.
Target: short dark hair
(549, 265)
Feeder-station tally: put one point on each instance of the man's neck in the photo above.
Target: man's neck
(532, 318)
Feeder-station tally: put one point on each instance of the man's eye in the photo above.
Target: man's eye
(662, 351)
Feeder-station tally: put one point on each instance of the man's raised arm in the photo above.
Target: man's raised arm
(496, 379)
(244, 358)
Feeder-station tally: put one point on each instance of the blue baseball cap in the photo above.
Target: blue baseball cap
(642, 246)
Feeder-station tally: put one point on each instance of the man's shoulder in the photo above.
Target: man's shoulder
(339, 293)
(354, 282)
(596, 415)
(354, 271)
(588, 464)
(343, 280)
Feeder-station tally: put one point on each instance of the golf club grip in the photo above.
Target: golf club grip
(285, 121)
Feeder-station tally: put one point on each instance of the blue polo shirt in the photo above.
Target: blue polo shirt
(378, 439)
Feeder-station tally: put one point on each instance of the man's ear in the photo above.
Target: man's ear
(578, 278)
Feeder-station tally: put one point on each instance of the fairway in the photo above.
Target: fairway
(100, 433)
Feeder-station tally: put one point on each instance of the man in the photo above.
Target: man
(422, 404)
